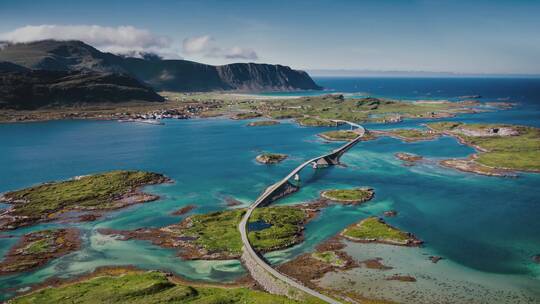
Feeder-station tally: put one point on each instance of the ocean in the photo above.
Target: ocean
(486, 228)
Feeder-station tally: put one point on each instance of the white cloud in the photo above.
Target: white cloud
(207, 47)
(128, 40)
(121, 39)
(197, 45)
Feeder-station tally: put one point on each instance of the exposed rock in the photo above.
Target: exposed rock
(375, 264)
(390, 213)
(435, 258)
(232, 202)
(498, 131)
(271, 158)
(408, 157)
(89, 217)
(401, 278)
(536, 258)
(184, 210)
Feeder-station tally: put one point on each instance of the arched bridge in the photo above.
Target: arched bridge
(281, 189)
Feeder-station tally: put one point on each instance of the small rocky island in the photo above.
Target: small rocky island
(339, 135)
(271, 158)
(408, 159)
(79, 196)
(37, 248)
(349, 196)
(374, 229)
(215, 236)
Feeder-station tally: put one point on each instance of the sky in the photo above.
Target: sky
(497, 37)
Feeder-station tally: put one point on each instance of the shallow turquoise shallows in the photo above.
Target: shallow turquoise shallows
(486, 224)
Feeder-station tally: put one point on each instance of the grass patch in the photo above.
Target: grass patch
(147, 287)
(247, 115)
(329, 257)
(315, 122)
(410, 133)
(263, 123)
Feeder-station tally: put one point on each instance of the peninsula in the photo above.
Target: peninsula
(129, 285)
(502, 148)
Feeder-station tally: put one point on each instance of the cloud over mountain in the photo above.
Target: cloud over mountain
(207, 46)
(121, 39)
(129, 40)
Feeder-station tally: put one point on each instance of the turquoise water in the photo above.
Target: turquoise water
(480, 224)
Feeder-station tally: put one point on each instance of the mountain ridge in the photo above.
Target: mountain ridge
(161, 74)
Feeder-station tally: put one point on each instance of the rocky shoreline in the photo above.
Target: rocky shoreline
(38, 248)
(470, 166)
(307, 269)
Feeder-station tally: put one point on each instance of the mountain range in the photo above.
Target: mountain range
(71, 72)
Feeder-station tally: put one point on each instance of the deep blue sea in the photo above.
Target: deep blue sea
(486, 228)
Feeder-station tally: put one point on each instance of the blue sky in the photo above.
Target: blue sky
(429, 35)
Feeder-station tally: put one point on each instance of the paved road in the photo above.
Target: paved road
(243, 223)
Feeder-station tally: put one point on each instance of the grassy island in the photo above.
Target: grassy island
(374, 229)
(315, 122)
(37, 248)
(340, 135)
(132, 286)
(350, 196)
(271, 158)
(215, 235)
(263, 123)
(500, 146)
(247, 115)
(105, 191)
(408, 135)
